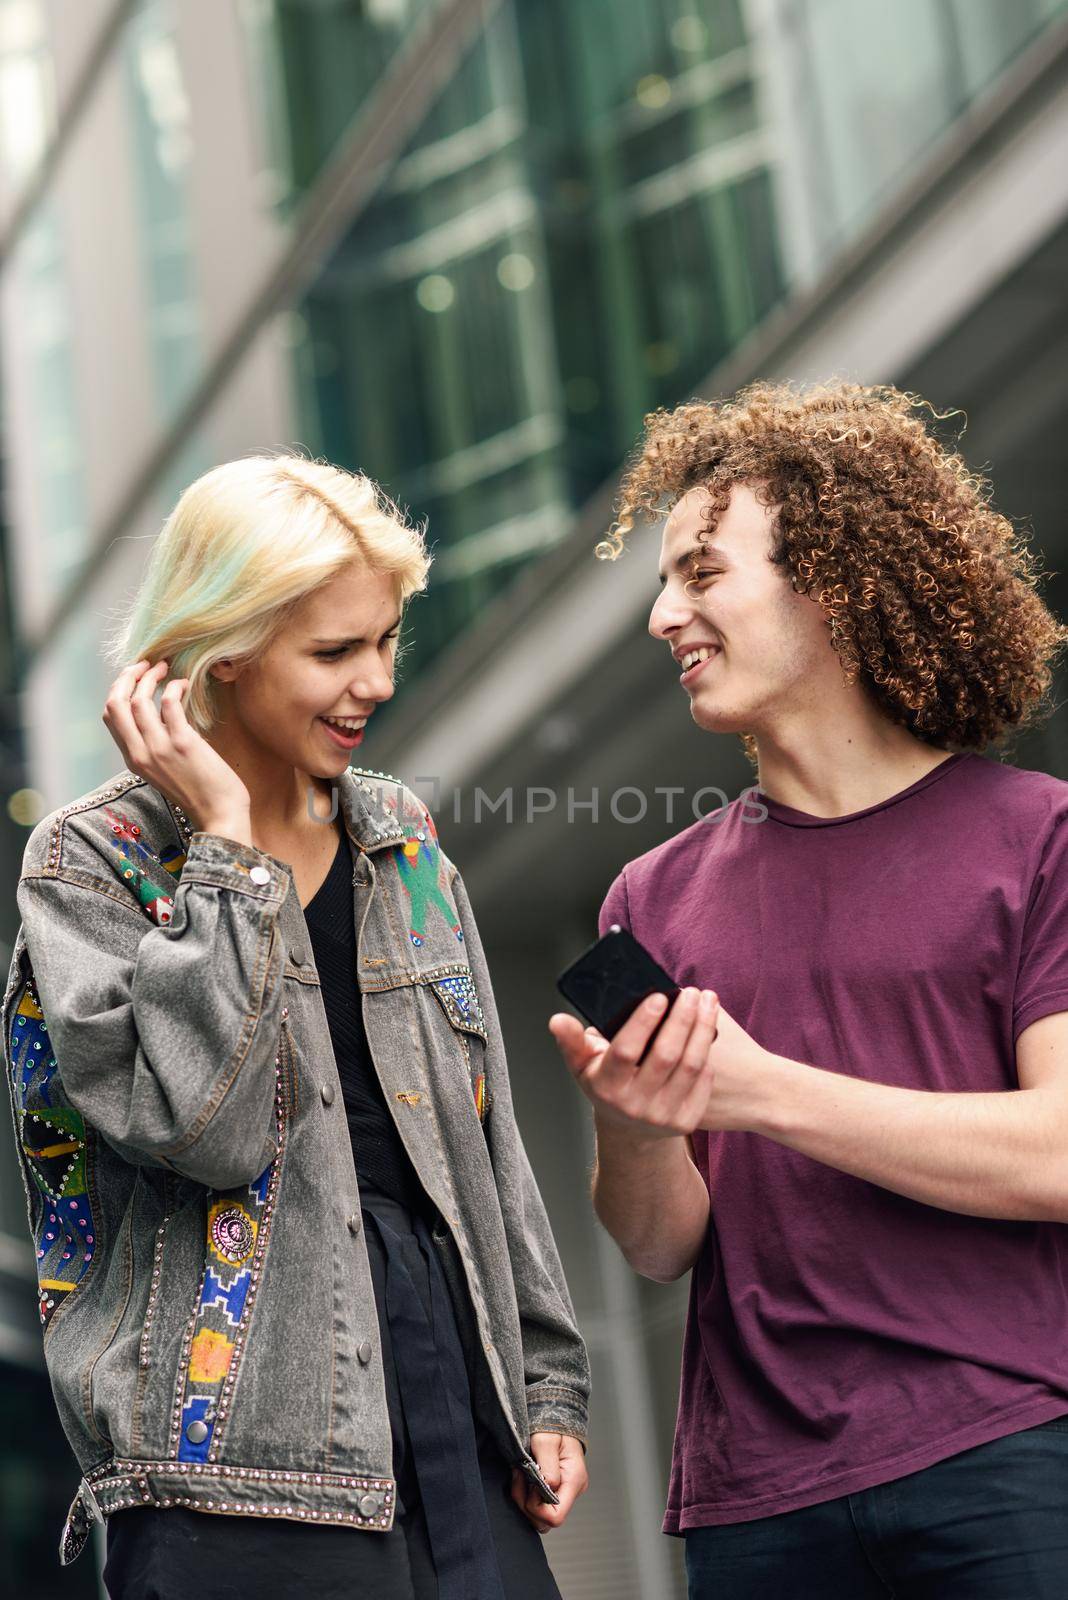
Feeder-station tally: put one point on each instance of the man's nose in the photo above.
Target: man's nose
(669, 614)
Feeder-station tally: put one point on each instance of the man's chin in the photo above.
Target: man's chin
(715, 719)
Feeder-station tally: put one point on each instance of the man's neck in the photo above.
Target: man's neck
(842, 779)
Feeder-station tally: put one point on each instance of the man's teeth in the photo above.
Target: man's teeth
(346, 726)
(692, 657)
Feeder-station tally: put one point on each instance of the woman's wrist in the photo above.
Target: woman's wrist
(236, 826)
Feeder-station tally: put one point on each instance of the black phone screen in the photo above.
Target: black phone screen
(612, 978)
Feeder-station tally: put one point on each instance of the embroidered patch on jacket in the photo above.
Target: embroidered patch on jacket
(423, 874)
(459, 998)
(53, 1146)
(232, 1232)
(238, 1225)
(151, 877)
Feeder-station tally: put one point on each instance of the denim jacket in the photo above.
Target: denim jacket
(208, 1315)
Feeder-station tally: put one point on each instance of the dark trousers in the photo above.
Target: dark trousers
(457, 1533)
(987, 1524)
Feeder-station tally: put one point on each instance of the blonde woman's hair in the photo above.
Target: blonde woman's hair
(244, 545)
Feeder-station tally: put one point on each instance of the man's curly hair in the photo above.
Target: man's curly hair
(930, 595)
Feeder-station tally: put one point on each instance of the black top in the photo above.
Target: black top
(377, 1148)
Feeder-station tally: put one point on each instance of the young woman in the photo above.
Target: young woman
(303, 1314)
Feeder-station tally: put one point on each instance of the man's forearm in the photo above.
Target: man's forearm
(651, 1198)
(1000, 1155)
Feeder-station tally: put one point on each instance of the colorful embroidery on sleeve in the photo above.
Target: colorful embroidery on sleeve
(53, 1145)
(150, 877)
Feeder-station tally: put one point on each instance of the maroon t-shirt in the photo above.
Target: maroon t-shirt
(840, 1335)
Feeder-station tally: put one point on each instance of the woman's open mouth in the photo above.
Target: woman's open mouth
(344, 737)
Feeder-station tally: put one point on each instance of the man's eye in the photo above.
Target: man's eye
(702, 573)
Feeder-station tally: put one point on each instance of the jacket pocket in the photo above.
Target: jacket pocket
(458, 998)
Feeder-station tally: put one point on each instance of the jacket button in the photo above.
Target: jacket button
(364, 1353)
(298, 955)
(368, 1505)
(327, 1094)
(197, 1432)
(354, 1222)
(260, 874)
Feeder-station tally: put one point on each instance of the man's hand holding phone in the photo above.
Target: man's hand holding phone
(657, 1090)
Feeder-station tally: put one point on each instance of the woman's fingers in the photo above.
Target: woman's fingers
(172, 714)
(547, 1448)
(148, 682)
(561, 1463)
(162, 746)
(119, 694)
(528, 1500)
(138, 728)
(119, 716)
(154, 734)
(142, 701)
(569, 1480)
(130, 674)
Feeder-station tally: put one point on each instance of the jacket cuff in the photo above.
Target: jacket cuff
(552, 1409)
(228, 864)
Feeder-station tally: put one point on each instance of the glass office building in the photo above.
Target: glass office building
(466, 246)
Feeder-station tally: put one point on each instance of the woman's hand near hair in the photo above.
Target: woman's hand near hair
(164, 748)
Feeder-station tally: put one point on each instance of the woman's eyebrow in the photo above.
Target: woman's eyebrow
(394, 624)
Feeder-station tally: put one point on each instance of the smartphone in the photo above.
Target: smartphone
(612, 978)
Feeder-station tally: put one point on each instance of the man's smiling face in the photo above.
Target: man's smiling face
(768, 647)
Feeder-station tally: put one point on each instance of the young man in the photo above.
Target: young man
(861, 1147)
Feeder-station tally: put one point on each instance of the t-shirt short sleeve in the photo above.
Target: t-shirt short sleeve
(615, 907)
(1042, 977)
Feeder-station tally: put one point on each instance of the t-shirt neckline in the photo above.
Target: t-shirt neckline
(805, 819)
